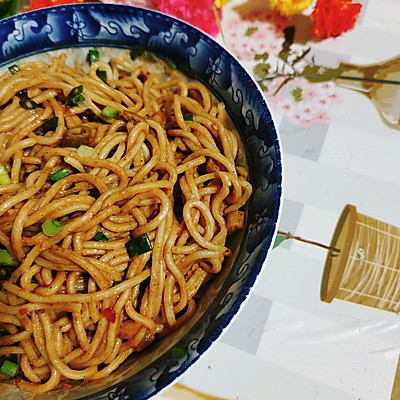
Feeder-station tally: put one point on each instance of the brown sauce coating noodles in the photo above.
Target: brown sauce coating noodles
(163, 164)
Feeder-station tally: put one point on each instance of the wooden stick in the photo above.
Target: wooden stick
(300, 239)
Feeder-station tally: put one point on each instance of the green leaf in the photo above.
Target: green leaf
(297, 94)
(261, 69)
(280, 237)
(318, 73)
(251, 30)
(263, 87)
(262, 56)
(283, 55)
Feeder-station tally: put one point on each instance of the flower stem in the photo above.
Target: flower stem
(374, 80)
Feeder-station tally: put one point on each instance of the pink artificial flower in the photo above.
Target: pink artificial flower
(198, 13)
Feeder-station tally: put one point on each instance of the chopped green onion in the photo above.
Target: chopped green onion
(109, 112)
(85, 151)
(39, 133)
(188, 117)
(70, 187)
(78, 99)
(100, 237)
(13, 68)
(6, 258)
(52, 122)
(138, 245)
(4, 177)
(171, 64)
(93, 56)
(22, 93)
(9, 368)
(178, 352)
(75, 96)
(51, 227)
(60, 174)
(28, 104)
(137, 51)
(102, 75)
(150, 56)
(5, 273)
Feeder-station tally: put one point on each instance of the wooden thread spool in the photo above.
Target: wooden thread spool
(367, 268)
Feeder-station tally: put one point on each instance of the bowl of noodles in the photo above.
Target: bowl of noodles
(140, 189)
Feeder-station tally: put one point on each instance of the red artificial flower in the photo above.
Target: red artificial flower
(333, 17)
(36, 4)
(199, 13)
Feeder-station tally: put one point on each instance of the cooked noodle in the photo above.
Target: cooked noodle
(167, 167)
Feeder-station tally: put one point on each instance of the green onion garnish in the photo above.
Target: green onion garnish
(178, 352)
(5, 273)
(39, 133)
(28, 104)
(171, 64)
(150, 56)
(75, 96)
(51, 227)
(13, 68)
(109, 112)
(93, 56)
(100, 237)
(6, 258)
(137, 51)
(60, 174)
(4, 177)
(9, 368)
(22, 93)
(102, 75)
(78, 99)
(138, 245)
(188, 117)
(52, 122)
(85, 151)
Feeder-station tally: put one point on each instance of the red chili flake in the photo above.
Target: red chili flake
(92, 141)
(66, 385)
(66, 109)
(23, 311)
(109, 313)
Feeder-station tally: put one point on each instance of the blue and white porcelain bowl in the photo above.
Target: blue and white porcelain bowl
(96, 24)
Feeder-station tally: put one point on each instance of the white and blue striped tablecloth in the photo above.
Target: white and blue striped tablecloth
(286, 343)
